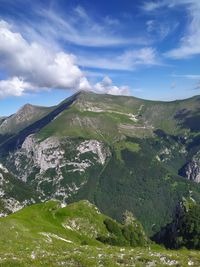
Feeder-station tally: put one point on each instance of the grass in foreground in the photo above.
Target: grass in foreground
(48, 235)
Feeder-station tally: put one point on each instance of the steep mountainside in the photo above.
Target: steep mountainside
(14, 193)
(24, 117)
(121, 153)
(2, 119)
(28, 114)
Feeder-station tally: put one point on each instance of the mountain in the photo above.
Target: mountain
(120, 153)
(2, 119)
(49, 234)
(27, 115)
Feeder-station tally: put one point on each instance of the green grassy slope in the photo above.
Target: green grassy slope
(108, 117)
(80, 222)
(48, 235)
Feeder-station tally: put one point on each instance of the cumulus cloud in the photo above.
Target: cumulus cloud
(31, 65)
(13, 87)
(33, 55)
(106, 86)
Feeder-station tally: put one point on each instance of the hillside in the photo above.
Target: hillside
(49, 234)
(111, 117)
(120, 153)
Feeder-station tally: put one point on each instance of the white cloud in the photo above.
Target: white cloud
(129, 60)
(190, 42)
(151, 6)
(154, 5)
(188, 76)
(56, 32)
(32, 67)
(38, 66)
(106, 86)
(13, 87)
(81, 29)
(162, 30)
(84, 84)
(150, 25)
(80, 11)
(143, 56)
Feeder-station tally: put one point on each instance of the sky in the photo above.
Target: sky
(50, 49)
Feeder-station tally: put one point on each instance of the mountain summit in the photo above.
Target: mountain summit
(120, 153)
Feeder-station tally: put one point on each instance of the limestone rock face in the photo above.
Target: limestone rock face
(192, 169)
(57, 168)
(45, 155)
(9, 200)
(51, 153)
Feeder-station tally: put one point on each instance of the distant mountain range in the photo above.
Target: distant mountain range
(120, 153)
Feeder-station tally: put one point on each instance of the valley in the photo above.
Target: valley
(118, 153)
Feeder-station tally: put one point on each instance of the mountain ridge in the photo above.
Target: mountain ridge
(111, 149)
(84, 92)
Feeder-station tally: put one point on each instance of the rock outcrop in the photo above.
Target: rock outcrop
(192, 169)
(57, 168)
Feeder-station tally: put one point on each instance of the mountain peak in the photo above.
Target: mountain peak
(26, 115)
(27, 112)
(29, 107)
(25, 108)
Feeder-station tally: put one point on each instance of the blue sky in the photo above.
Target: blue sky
(50, 49)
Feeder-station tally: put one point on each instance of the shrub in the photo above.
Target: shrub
(113, 227)
(123, 235)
